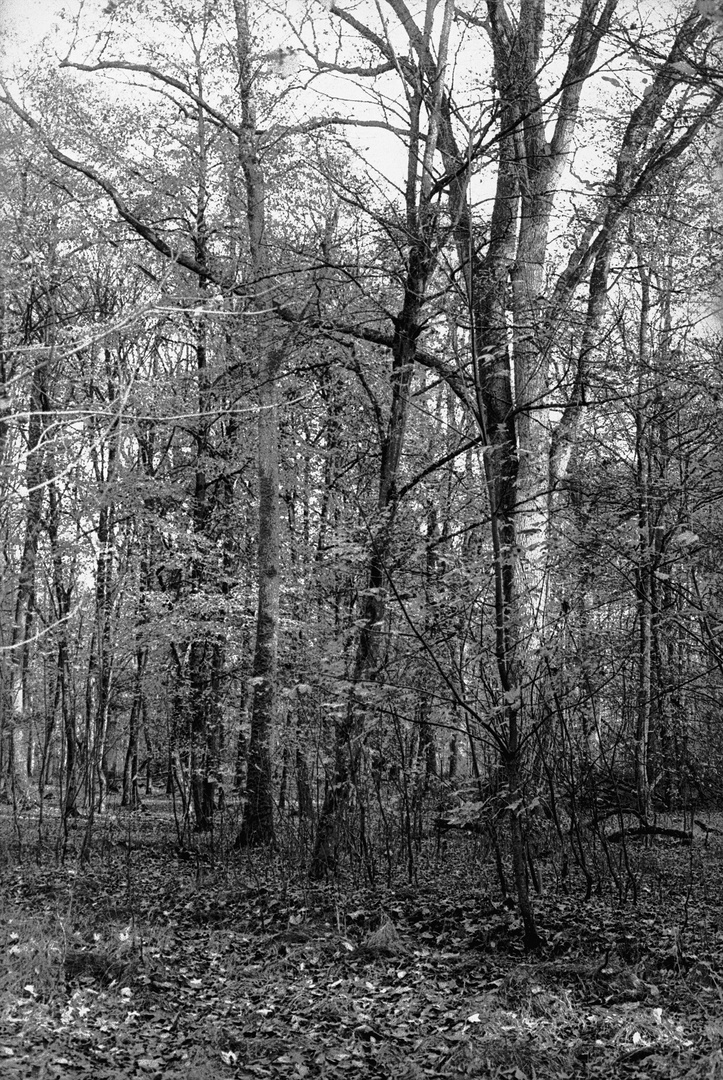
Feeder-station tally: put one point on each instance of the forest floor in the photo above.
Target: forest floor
(156, 962)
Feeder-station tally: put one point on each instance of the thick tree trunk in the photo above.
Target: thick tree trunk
(524, 453)
(258, 821)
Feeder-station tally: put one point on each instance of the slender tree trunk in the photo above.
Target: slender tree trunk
(62, 593)
(645, 569)
(421, 226)
(339, 794)
(131, 795)
(205, 655)
(25, 595)
(105, 601)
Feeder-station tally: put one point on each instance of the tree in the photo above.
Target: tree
(429, 351)
(516, 310)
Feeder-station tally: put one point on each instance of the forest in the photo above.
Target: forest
(361, 538)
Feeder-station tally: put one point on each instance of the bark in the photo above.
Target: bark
(102, 664)
(646, 566)
(62, 593)
(258, 821)
(668, 597)
(426, 769)
(131, 796)
(5, 370)
(651, 467)
(25, 594)
(38, 460)
(131, 793)
(204, 653)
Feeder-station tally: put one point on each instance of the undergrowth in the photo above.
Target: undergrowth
(158, 959)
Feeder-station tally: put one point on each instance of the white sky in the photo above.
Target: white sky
(24, 23)
(26, 20)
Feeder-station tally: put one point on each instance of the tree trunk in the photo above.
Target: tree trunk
(25, 595)
(421, 228)
(62, 596)
(258, 821)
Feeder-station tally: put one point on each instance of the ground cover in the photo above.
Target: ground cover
(156, 961)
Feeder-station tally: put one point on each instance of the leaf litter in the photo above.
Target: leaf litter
(145, 965)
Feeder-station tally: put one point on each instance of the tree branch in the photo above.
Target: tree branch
(149, 235)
